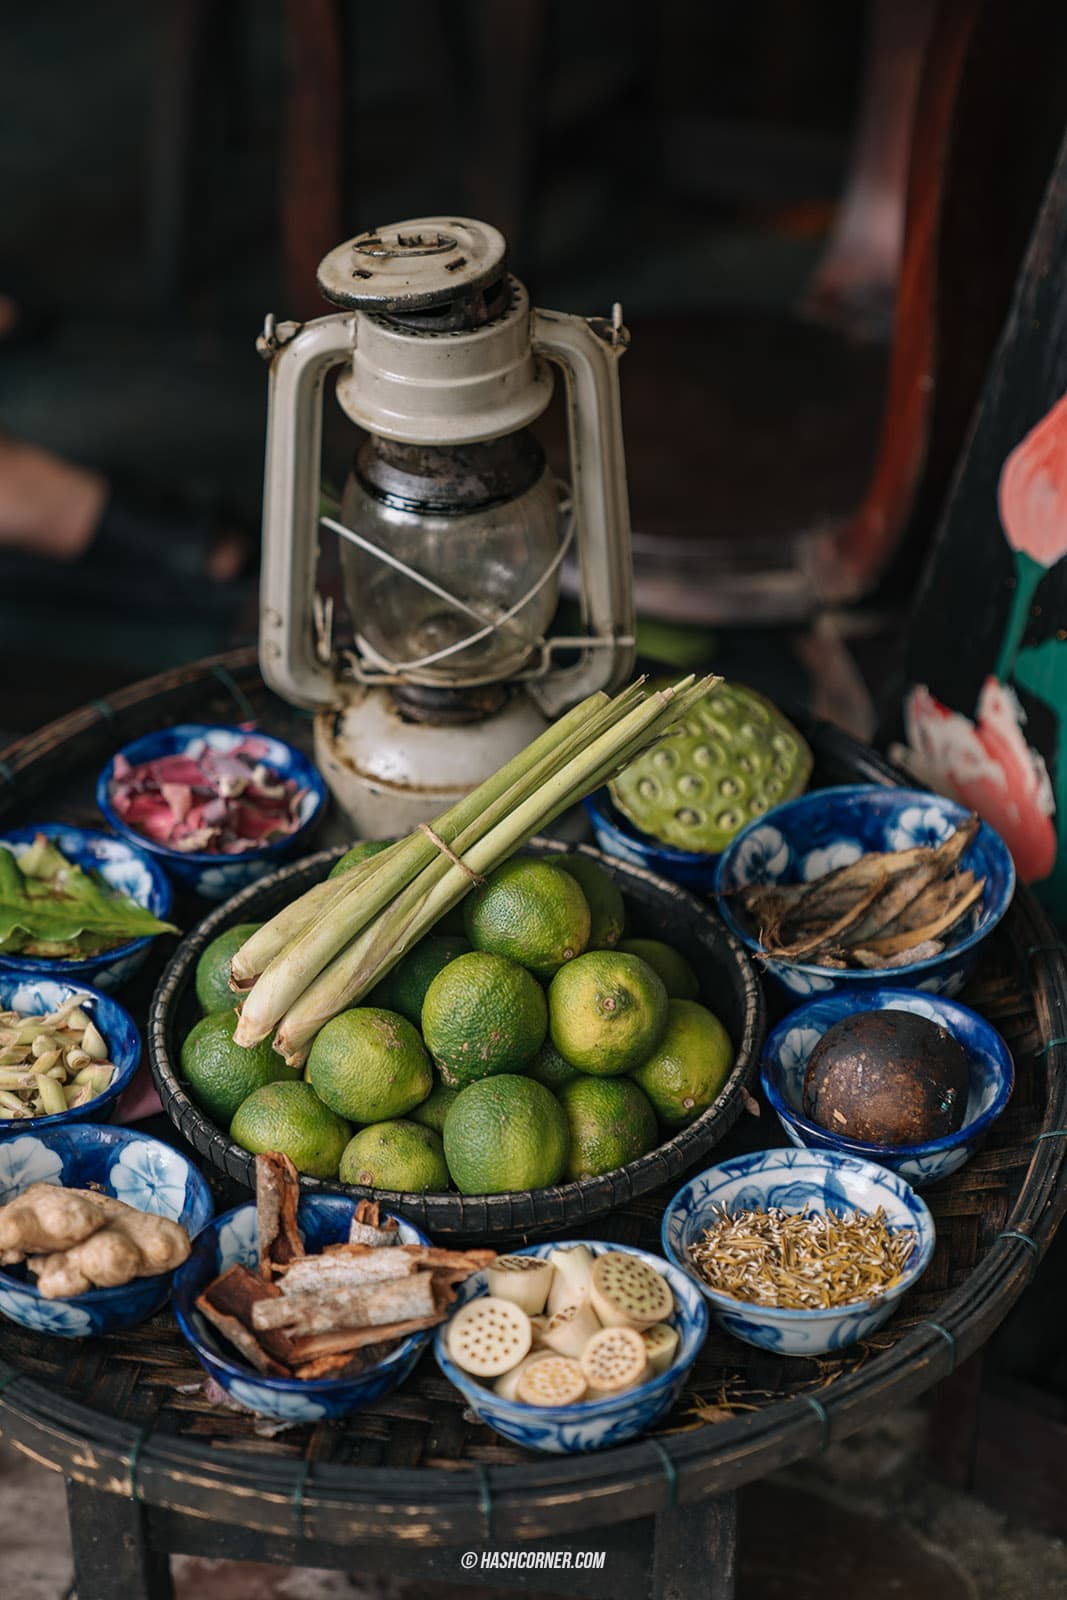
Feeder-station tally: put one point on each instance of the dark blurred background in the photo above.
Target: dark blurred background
(159, 176)
(755, 184)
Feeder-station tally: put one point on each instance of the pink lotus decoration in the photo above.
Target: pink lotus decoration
(1033, 490)
(988, 766)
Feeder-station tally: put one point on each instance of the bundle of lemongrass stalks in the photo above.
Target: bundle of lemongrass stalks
(323, 952)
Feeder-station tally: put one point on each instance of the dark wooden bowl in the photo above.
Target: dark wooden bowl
(655, 908)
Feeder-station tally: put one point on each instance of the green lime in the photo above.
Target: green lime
(606, 910)
(361, 851)
(291, 1118)
(689, 1066)
(549, 1067)
(607, 1012)
(396, 1155)
(412, 976)
(679, 979)
(213, 969)
(505, 1133)
(530, 912)
(483, 1014)
(611, 1123)
(369, 1065)
(432, 1111)
(221, 1074)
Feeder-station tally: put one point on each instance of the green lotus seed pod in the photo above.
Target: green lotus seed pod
(732, 758)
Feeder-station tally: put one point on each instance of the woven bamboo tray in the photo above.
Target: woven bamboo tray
(126, 1415)
(654, 907)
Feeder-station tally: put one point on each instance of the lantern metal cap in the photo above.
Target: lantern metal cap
(408, 266)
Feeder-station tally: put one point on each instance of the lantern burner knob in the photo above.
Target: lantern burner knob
(410, 266)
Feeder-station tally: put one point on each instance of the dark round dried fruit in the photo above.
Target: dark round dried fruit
(887, 1077)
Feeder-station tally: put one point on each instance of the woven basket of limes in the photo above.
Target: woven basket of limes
(495, 1041)
(484, 1087)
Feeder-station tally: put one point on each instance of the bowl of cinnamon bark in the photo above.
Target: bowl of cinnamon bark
(301, 1308)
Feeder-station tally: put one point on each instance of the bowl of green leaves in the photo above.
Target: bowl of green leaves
(78, 904)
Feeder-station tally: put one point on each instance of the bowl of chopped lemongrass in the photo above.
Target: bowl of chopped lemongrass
(67, 1053)
(799, 1251)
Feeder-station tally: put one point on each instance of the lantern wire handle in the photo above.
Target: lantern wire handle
(450, 599)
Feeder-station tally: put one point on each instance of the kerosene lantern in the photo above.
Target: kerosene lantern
(453, 529)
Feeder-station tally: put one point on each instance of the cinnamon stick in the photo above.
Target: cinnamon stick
(277, 1199)
(368, 1306)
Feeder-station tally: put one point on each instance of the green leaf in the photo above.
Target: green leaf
(75, 905)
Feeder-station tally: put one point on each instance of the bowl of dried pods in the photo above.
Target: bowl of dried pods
(862, 886)
(799, 1251)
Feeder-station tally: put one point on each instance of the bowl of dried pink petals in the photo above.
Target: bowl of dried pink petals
(218, 806)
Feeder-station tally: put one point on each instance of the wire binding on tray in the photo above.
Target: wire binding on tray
(230, 684)
(1051, 1133)
(949, 1338)
(823, 1416)
(132, 1460)
(1024, 1238)
(485, 1500)
(1050, 1044)
(1058, 947)
(298, 1498)
(670, 1472)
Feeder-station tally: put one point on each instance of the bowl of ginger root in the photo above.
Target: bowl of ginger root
(94, 1221)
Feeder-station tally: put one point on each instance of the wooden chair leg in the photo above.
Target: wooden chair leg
(952, 1442)
(112, 1558)
(694, 1551)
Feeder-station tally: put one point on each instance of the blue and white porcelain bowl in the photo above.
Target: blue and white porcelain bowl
(34, 997)
(590, 1424)
(233, 1240)
(618, 837)
(129, 1166)
(992, 1076)
(216, 877)
(828, 828)
(791, 1180)
(125, 868)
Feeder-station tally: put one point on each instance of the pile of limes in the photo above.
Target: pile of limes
(539, 1045)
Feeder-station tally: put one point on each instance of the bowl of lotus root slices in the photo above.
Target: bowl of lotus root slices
(575, 1346)
(300, 1308)
(863, 886)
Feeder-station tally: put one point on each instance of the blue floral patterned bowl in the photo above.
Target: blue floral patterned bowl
(793, 1179)
(591, 1424)
(233, 1240)
(618, 837)
(124, 868)
(829, 828)
(143, 1172)
(992, 1075)
(216, 877)
(36, 996)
